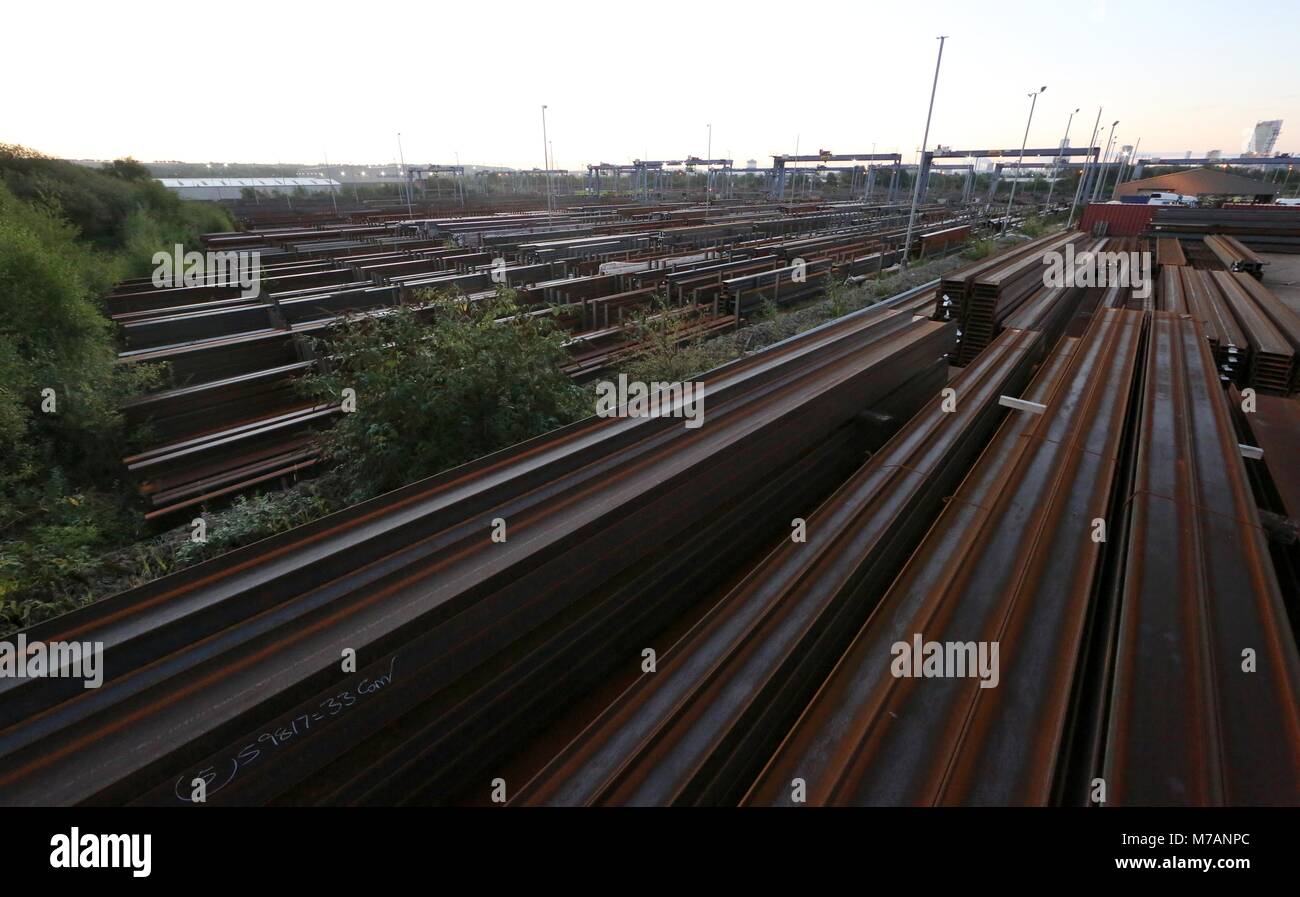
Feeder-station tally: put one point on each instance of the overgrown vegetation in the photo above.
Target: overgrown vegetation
(669, 355)
(67, 233)
(438, 385)
(669, 350)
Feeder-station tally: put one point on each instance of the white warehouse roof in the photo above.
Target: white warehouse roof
(237, 183)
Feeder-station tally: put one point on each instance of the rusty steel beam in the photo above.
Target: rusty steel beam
(1205, 708)
(1012, 562)
(204, 662)
(698, 728)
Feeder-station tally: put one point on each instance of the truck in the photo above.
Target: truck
(1161, 198)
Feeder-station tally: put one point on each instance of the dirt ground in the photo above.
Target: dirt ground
(1282, 275)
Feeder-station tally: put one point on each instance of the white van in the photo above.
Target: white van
(1170, 199)
(1287, 201)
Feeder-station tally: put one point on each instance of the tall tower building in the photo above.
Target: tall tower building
(1264, 137)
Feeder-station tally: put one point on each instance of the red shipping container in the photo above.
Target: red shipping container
(1121, 219)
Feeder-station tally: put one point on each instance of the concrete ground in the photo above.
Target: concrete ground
(1282, 276)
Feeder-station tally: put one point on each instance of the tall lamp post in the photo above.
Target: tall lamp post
(1056, 172)
(402, 156)
(546, 163)
(916, 188)
(1101, 175)
(1033, 101)
(1083, 177)
(708, 157)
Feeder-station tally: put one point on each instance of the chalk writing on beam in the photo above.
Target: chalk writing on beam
(285, 730)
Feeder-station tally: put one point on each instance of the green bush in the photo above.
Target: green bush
(54, 338)
(440, 385)
(666, 351)
(251, 519)
(100, 203)
(67, 234)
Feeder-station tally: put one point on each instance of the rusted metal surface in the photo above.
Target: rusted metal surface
(1274, 426)
(211, 336)
(201, 663)
(1116, 220)
(1285, 319)
(1012, 561)
(698, 728)
(1235, 256)
(1207, 304)
(1206, 702)
(992, 293)
(1272, 360)
(1169, 252)
(1172, 296)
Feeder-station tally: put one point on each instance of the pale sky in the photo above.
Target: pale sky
(290, 81)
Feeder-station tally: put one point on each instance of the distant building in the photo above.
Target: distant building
(1214, 154)
(1201, 182)
(233, 188)
(751, 164)
(1264, 137)
(358, 174)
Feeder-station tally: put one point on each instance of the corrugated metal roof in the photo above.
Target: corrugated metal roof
(237, 183)
(1199, 182)
(1122, 219)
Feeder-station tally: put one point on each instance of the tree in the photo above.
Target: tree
(440, 384)
(129, 169)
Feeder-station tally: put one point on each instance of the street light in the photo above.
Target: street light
(1084, 176)
(1033, 101)
(1112, 157)
(708, 157)
(402, 157)
(916, 188)
(1056, 172)
(546, 163)
(1130, 164)
(1101, 175)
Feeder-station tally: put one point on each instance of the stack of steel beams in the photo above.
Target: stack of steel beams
(1272, 359)
(698, 728)
(1234, 256)
(229, 671)
(1205, 708)
(1010, 572)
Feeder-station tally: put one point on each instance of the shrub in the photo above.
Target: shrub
(438, 385)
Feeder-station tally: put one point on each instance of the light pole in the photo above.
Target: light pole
(916, 188)
(1130, 164)
(1033, 101)
(1112, 158)
(402, 156)
(1083, 177)
(872, 192)
(708, 157)
(327, 175)
(546, 162)
(1101, 175)
(1056, 172)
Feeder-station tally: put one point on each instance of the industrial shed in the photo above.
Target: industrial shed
(232, 188)
(1200, 182)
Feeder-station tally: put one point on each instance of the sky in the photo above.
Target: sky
(294, 82)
